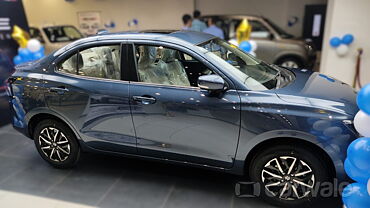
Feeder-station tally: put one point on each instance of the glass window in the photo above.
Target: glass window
(160, 65)
(258, 29)
(62, 33)
(36, 33)
(254, 73)
(101, 62)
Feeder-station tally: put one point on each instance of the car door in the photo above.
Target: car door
(173, 118)
(86, 88)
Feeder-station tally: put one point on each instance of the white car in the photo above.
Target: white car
(55, 37)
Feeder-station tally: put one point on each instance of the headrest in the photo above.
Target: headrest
(168, 55)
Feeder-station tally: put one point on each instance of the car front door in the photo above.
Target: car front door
(175, 119)
(86, 88)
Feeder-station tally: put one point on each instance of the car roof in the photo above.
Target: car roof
(175, 36)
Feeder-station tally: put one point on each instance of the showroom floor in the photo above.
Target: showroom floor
(106, 181)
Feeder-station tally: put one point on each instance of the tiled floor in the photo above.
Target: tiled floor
(107, 181)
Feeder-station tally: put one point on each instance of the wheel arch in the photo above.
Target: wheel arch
(288, 141)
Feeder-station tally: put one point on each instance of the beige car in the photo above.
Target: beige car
(274, 44)
(55, 37)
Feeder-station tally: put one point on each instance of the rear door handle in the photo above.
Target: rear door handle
(59, 90)
(146, 100)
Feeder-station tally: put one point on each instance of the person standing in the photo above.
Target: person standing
(213, 29)
(186, 19)
(197, 24)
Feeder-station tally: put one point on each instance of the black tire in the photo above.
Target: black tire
(288, 61)
(260, 164)
(65, 142)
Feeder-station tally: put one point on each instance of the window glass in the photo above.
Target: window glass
(62, 33)
(35, 33)
(101, 62)
(258, 29)
(160, 65)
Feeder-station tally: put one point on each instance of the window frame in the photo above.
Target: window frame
(68, 54)
(134, 65)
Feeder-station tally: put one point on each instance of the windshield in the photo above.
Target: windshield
(62, 33)
(280, 31)
(254, 73)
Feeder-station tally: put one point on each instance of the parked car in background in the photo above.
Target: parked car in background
(55, 37)
(188, 98)
(274, 44)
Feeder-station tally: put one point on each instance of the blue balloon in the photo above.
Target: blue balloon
(245, 46)
(363, 99)
(335, 42)
(355, 196)
(37, 55)
(25, 54)
(17, 60)
(42, 50)
(347, 39)
(354, 173)
(358, 153)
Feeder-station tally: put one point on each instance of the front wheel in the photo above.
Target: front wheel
(56, 143)
(289, 175)
(290, 62)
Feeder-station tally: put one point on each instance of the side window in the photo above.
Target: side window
(160, 65)
(101, 62)
(35, 33)
(258, 29)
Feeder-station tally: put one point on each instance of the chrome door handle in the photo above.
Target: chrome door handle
(146, 100)
(59, 90)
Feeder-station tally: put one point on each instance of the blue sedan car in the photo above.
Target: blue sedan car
(188, 98)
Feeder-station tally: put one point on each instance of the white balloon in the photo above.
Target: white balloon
(253, 44)
(362, 123)
(342, 50)
(34, 45)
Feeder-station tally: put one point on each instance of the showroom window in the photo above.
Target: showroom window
(100, 62)
(160, 65)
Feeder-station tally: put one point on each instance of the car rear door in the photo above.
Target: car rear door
(175, 120)
(86, 88)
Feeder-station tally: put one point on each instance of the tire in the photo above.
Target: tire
(264, 163)
(64, 151)
(290, 62)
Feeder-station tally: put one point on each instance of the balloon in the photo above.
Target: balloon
(347, 39)
(245, 46)
(363, 99)
(17, 60)
(354, 173)
(253, 44)
(358, 153)
(335, 42)
(342, 50)
(33, 45)
(355, 196)
(362, 123)
(36, 56)
(243, 31)
(21, 36)
(24, 53)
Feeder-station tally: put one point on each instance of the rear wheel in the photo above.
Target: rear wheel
(289, 175)
(56, 143)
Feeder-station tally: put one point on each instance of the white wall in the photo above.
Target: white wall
(153, 14)
(279, 11)
(343, 17)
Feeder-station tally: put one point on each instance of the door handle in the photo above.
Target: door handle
(59, 90)
(146, 100)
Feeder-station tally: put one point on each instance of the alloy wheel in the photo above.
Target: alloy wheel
(288, 178)
(54, 144)
(290, 64)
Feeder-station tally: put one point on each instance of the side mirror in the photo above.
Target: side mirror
(211, 82)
